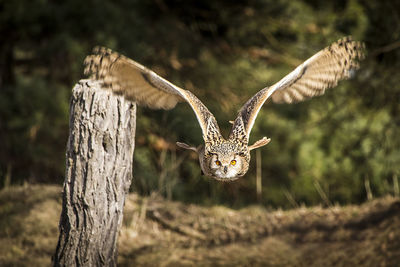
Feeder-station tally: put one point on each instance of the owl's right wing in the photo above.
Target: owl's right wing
(138, 83)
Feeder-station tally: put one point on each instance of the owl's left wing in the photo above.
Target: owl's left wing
(140, 84)
(320, 72)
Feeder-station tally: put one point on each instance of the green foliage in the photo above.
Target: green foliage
(223, 51)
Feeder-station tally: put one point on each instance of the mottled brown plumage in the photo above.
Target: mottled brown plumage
(225, 159)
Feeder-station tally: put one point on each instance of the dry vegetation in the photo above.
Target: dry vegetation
(157, 232)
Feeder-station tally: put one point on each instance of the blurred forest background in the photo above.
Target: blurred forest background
(342, 147)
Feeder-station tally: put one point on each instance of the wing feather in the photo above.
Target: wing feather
(318, 73)
(328, 67)
(137, 83)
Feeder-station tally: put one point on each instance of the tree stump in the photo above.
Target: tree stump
(98, 176)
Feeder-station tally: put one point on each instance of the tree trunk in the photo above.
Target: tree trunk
(98, 175)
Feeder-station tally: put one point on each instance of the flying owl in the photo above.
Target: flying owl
(221, 158)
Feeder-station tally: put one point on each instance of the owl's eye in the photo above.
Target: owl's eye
(233, 162)
(218, 162)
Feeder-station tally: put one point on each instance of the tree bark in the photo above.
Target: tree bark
(98, 176)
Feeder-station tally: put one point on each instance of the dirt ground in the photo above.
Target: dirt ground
(157, 232)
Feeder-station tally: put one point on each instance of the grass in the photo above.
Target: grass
(157, 232)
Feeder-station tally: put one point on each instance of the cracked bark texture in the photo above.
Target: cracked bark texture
(98, 175)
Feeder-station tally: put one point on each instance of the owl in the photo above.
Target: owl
(225, 159)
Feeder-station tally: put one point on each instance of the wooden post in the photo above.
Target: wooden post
(98, 176)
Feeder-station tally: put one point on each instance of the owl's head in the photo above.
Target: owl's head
(226, 165)
(225, 160)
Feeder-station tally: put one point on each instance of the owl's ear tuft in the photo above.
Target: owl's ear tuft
(262, 142)
(186, 146)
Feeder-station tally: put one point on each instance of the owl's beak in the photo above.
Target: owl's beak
(262, 142)
(186, 146)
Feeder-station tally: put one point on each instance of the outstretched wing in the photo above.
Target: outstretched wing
(137, 83)
(320, 72)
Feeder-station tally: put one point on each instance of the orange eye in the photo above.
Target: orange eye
(218, 162)
(233, 162)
